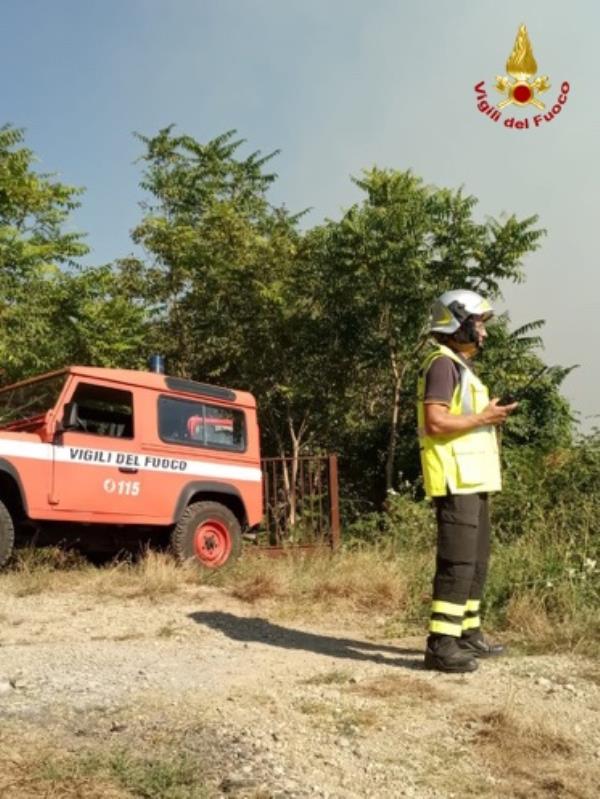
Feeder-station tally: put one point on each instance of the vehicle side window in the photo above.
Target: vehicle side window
(201, 425)
(104, 411)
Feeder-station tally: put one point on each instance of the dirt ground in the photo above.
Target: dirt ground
(262, 706)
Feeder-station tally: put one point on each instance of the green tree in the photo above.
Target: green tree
(53, 311)
(326, 326)
(99, 322)
(227, 284)
(512, 362)
(382, 265)
(33, 246)
(221, 259)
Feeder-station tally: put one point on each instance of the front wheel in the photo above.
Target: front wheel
(209, 533)
(7, 534)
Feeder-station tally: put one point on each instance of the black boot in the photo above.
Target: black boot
(474, 643)
(444, 654)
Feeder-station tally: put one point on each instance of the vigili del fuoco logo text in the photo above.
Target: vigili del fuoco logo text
(521, 90)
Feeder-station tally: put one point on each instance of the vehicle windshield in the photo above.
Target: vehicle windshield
(29, 400)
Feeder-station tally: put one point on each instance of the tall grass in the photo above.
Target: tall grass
(544, 583)
(369, 581)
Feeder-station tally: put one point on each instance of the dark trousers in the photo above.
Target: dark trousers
(463, 549)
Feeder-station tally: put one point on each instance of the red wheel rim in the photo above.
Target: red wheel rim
(212, 543)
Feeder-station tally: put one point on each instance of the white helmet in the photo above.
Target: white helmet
(451, 309)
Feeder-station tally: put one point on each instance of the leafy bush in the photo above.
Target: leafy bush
(544, 581)
(406, 523)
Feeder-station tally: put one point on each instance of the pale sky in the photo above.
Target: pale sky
(338, 86)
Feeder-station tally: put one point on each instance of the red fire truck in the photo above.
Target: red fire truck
(114, 456)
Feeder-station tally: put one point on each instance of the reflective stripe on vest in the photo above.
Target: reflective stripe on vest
(462, 463)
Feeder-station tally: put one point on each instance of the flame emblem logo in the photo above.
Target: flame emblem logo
(521, 66)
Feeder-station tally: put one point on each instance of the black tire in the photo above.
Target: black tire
(7, 534)
(209, 533)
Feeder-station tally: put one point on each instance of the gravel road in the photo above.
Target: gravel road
(279, 708)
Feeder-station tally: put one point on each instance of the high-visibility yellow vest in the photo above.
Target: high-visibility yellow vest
(460, 463)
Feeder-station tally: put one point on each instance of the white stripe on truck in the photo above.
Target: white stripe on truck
(87, 456)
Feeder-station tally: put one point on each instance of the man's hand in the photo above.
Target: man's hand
(440, 422)
(497, 414)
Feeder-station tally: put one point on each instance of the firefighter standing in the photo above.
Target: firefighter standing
(461, 466)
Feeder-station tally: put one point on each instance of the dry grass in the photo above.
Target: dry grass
(591, 673)
(527, 615)
(154, 754)
(314, 707)
(521, 738)
(352, 721)
(537, 630)
(297, 586)
(333, 677)
(530, 758)
(346, 721)
(316, 586)
(400, 688)
(363, 581)
(168, 630)
(153, 577)
(51, 570)
(41, 772)
(253, 587)
(37, 571)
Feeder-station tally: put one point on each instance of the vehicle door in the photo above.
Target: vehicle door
(96, 462)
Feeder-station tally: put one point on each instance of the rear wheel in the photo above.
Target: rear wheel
(7, 534)
(209, 533)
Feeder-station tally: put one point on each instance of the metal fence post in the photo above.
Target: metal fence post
(334, 502)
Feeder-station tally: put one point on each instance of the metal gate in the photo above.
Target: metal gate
(301, 501)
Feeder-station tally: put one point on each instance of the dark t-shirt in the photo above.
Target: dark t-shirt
(441, 380)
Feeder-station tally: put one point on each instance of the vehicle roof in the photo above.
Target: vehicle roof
(152, 380)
